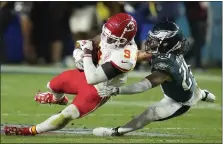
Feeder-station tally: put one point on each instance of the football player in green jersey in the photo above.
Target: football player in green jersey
(169, 70)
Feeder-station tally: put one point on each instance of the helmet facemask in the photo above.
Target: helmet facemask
(111, 41)
(157, 43)
(153, 42)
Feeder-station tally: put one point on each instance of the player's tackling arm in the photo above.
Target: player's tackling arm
(151, 81)
(143, 56)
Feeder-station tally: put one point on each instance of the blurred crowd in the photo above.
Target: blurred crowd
(48, 29)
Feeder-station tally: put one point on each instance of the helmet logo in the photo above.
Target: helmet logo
(130, 26)
(165, 44)
(162, 34)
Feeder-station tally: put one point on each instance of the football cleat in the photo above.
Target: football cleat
(17, 131)
(102, 131)
(48, 98)
(209, 97)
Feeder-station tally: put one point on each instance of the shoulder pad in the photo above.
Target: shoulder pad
(124, 59)
(162, 62)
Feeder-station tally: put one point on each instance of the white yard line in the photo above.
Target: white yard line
(200, 105)
(181, 128)
(85, 131)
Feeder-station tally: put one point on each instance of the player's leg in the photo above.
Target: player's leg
(66, 82)
(163, 110)
(200, 95)
(55, 122)
(86, 101)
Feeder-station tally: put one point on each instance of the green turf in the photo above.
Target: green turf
(202, 125)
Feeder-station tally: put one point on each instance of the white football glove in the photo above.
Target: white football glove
(78, 55)
(108, 91)
(86, 44)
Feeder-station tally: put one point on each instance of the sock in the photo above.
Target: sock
(33, 130)
(57, 96)
(136, 123)
(124, 130)
(60, 120)
(55, 122)
(203, 94)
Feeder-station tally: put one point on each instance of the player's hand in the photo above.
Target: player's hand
(78, 54)
(107, 91)
(86, 44)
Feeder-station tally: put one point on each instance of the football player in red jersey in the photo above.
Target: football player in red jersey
(118, 56)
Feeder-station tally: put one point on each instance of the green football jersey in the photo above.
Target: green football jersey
(182, 84)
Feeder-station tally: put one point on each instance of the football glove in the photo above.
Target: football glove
(86, 44)
(107, 91)
(78, 55)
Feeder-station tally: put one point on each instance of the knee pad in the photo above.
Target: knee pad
(71, 111)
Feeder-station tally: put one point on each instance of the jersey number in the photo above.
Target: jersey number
(166, 56)
(127, 53)
(187, 82)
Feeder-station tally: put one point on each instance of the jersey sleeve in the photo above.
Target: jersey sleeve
(164, 63)
(125, 61)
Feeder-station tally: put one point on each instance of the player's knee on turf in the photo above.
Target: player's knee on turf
(70, 112)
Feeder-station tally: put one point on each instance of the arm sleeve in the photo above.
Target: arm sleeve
(95, 75)
(139, 87)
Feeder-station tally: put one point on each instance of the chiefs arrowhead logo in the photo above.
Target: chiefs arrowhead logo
(130, 26)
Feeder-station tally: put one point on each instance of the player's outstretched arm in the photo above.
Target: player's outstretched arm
(151, 81)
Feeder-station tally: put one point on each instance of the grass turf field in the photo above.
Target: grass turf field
(201, 124)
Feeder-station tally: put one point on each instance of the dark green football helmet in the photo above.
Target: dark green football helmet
(166, 37)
